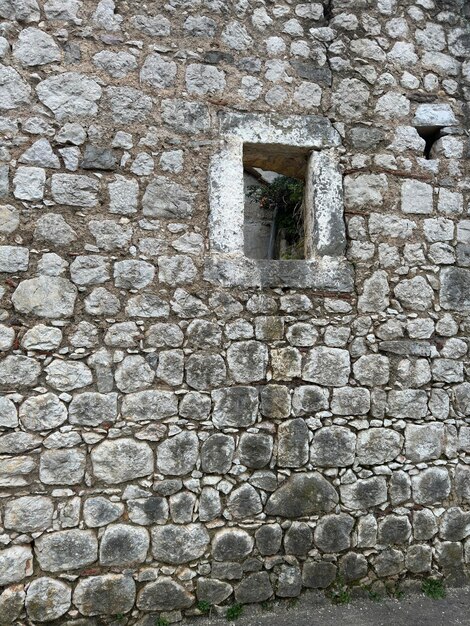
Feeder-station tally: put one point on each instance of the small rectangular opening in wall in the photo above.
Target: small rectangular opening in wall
(274, 215)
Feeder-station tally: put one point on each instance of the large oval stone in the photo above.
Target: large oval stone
(302, 494)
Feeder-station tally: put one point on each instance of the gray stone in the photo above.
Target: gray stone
(318, 575)
(394, 529)
(35, 47)
(298, 539)
(235, 407)
(365, 493)
(121, 460)
(268, 539)
(69, 95)
(372, 370)
(66, 550)
(128, 105)
(158, 71)
(99, 511)
(186, 117)
(255, 449)
(292, 443)
(68, 375)
(53, 228)
(74, 190)
(28, 514)
(11, 604)
(62, 467)
(133, 374)
(89, 270)
(377, 446)
(302, 494)
(244, 502)
(455, 283)
(462, 484)
(98, 158)
(16, 563)
(431, 485)
(212, 590)
(9, 219)
(375, 294)
(19, 371)
(28, 183)
(167, 200)
(203, 334)
(390, 562)
(18, 442)
(231, 544)
(415, 294)
(332, 533)
(204, 79)
(110, 594)
(47, 599)
(178, 269)
(177, 544)
(158, 26)
(14, 91)
(92, 409)
(309, 399)
(123, 195)
(353, 567)
(132, 274)
(42, 412)
(178, 455)
(217, 454)
(254, 588)
(209, 504)
(42, 337)
(434, 114)
(8, 414)
(399, 488)
(289, 582)
(424, 442)
(327, 366)
(247, 361)
(333, 446)
(164, 594)
(147, 305)
(116, 64)
(123, 545)
(350, 401)
(455, 524)
(149, 405)
(275, 401)
(182, 507)
(424, 524)
(407, 403)
(419, 559)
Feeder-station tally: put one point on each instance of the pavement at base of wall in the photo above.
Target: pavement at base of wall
(311, 610)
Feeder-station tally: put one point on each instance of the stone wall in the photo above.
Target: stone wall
(169, 438)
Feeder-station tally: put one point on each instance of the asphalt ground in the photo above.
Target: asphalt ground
(315, 610)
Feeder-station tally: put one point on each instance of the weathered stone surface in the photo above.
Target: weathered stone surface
(318, 575)
(350, 401)
(212, 590)
(254, 588)
(302, 494)
(68, 375)
(333, 446)
(327, 366)
(110, 594)
(16, 563)
(167, 200)
(92, 409)
(244, 502)
(204, 371)
(217, 454)
(62, 467)
(389, 563)
(179, 544)
(11, 604)
(374, 297)
(235, 407)
(186, 117)
(332, 533)
(431, 485)
(45, 296)
(69, 95)
(28, 514)
(364, 493)
(298, 539)
(133, 374)
(231, 544)
(268, 539)
(14, 91)
(378, 446)
(177, 456)
(47, 599)
(292, 438)
(255, 449)
(66, 550)
(455, 524)
(247, 361)
(424, 442)
(309, 399)
(123, 545)
(19, 371)
(394, 529)
(99, 511)
(149, 405)
(455, 282)
(121, 460)
(164, 594)
(42, 412)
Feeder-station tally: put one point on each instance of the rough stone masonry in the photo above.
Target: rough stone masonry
(174, 430)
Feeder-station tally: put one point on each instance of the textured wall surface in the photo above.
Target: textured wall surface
(165, 438)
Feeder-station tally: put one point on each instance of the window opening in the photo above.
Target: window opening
(430, 134)
(274, 207)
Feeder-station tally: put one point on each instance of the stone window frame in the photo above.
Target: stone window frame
(325, 267)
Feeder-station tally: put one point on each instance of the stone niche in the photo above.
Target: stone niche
(299, 146)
